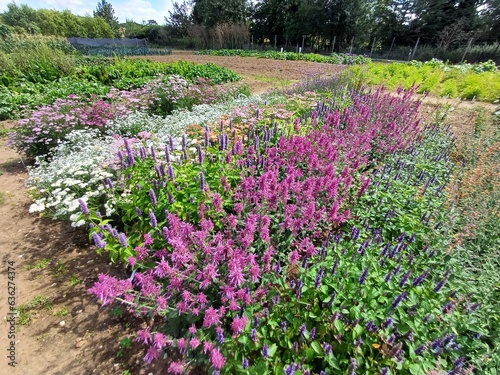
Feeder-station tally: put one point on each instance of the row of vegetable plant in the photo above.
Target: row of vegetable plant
(333, 58)
(471, 82)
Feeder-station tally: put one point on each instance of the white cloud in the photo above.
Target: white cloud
(141, 10)
(137, 10)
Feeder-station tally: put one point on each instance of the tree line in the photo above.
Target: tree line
(322, 25)
(326, 24)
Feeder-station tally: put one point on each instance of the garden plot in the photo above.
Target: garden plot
(292, 234)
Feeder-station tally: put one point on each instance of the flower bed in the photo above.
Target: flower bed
(288, 235)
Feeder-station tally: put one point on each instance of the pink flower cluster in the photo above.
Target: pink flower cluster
(299, 188)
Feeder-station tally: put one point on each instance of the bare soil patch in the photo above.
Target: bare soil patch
(260, 74)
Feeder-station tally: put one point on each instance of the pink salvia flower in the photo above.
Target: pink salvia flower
(217, 359)
(238, 324)
(159, 340)
(176, 368)
(194, 343)
(211, 317)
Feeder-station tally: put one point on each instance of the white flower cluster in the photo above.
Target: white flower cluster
(80, 164)
(74, 172)
(176, 123)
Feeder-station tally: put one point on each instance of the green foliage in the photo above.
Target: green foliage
(51, 22)
(40, 75)
(480, 82)
(25, 310)
(212, 72)
(475, 196)
(105, 11)
(121, 51)
(334, 58)
(209, 13)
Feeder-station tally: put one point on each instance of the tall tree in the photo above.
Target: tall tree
(179, 19)
(212, 12)
(490, 20)
(105, 10)
(433, 16)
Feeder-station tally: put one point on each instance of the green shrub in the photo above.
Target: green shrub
(480, 82)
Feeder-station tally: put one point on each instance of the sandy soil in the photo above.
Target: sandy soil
(70, 334)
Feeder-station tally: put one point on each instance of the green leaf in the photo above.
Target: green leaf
(272, 350)
(316, 347)
(416, 369)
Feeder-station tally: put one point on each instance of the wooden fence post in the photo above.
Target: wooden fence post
(466, 50)
(333, 43)
(390, 49)
(415, 49)
(373, 46)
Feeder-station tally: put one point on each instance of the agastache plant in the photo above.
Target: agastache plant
(262, 247)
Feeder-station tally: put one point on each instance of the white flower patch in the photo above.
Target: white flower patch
(80, 164)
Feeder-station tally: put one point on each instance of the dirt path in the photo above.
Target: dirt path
(66, 331)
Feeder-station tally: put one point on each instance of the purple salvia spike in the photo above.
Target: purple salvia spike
(170, 172)
(152, 197)
(167, 154)
(171, 143)
(202, 180)
(152, 218)
(123, 239)
(200, 154)
(207, 137)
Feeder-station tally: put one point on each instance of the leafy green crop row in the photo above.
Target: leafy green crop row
(334, 58)
(92, 76)
(435, 79)
(120, 51)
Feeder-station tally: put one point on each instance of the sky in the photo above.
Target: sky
(137, 10)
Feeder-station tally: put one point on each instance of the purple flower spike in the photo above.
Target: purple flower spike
(98, 241)
(138, 211)
(167, 155)
(302, 329)
(170, 172)
(440, 284)
(123, 239)
(201, 157)
(207, 137)
(283, 326)
(202, 180)
(245, 363)
(152, 218)
(265, 351)
(384, 371)
(253, 335)
(290, 369)
(398, 300)
(420, 279)
(83, 207)
(362, 278)
(404, 279)
(312, 334)
(152, 197)
(353, 365)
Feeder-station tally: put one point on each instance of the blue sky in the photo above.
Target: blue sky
(137, 10)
